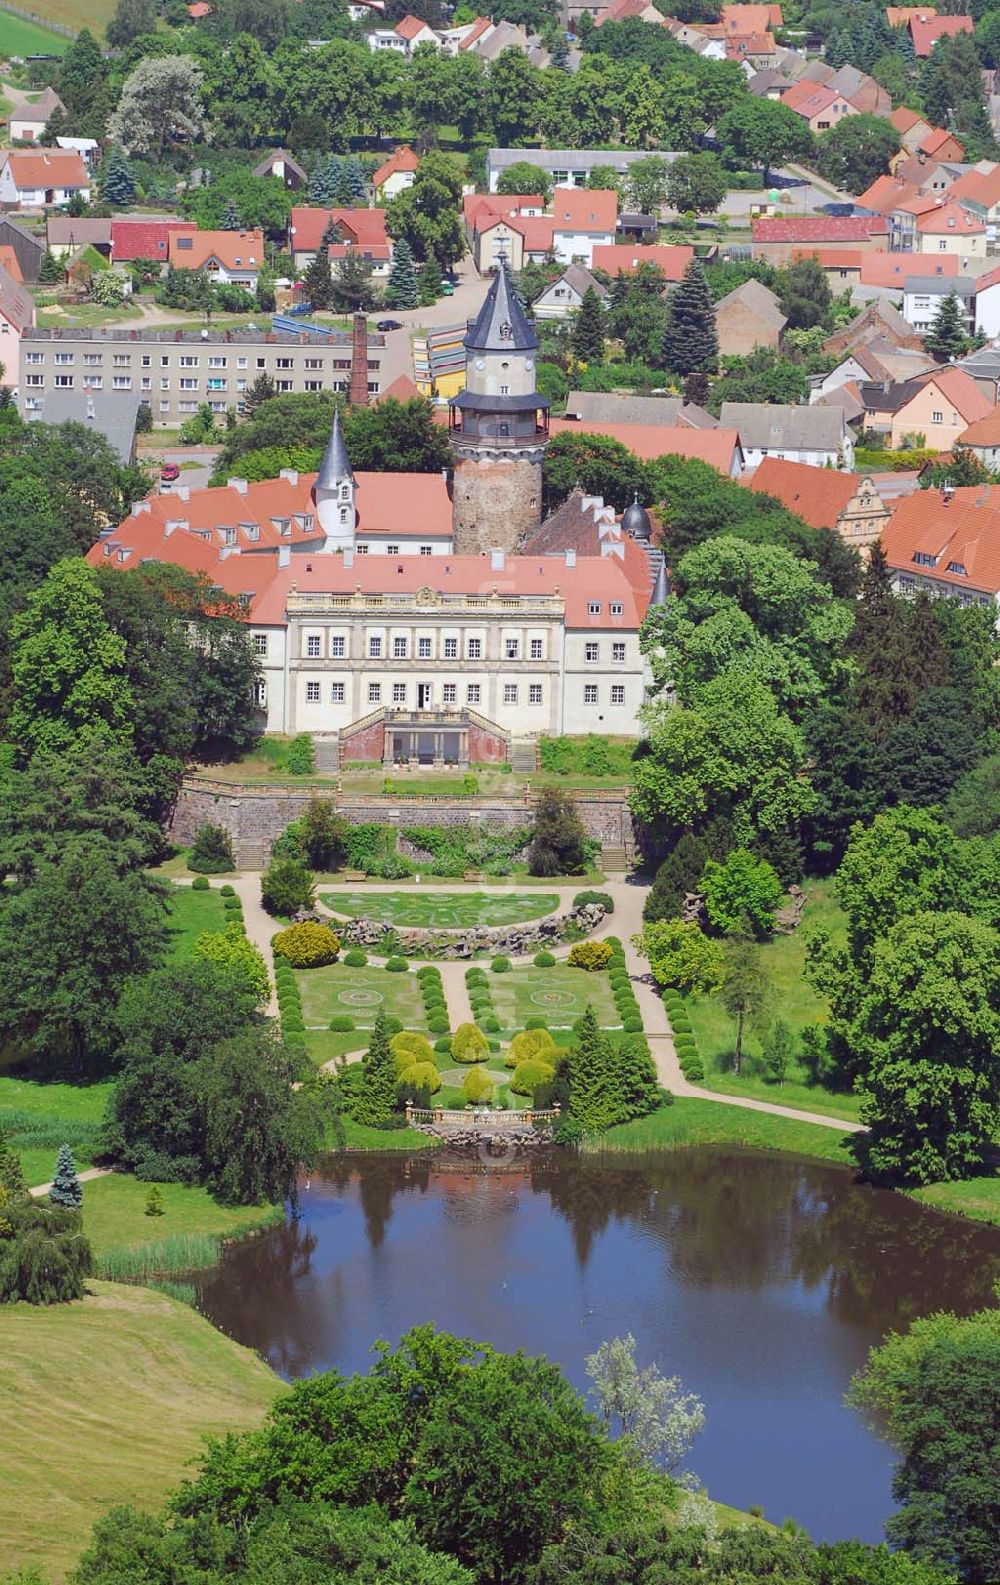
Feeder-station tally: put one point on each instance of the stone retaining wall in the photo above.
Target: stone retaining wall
(256, 816)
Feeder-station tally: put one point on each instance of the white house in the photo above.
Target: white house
(232, 258)
(31, 179)
(564, 296)
(581, 221)
(817, 435)
(988, 303)
(396, 174)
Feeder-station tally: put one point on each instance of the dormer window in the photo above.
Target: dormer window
(345, 493)
(956, 566)
(923, 558)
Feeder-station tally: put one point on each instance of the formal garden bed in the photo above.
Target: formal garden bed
(340, 991)
(442, 910)
(558, 994)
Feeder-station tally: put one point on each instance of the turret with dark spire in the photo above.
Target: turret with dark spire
(499, 427)
(333, 492)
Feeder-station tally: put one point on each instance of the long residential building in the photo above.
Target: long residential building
(176, 371)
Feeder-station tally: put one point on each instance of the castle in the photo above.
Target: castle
(395, 622)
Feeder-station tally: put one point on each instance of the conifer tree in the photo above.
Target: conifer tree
(117, 181)
(355, 180)
(323, 182)
(50, 271)
(318, 279)
(231, 219)
(591, 1084)
(57, 126)
(402, 290)
(66, 1189)
(262, 390)
(690, 341)
(946, 337)
(377, 1097)
(429, 282)
(11, 1173)
(587, 338)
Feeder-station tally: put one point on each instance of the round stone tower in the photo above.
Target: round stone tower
(499, 428)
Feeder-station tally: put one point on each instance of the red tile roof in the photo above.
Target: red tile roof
(402, 389)
(950, 220)
(739, 45)
(47, 168)
(926, 30)
(234, 250)
(401, 159)
(904, 119)
(307, 225)
(584, 209)
(410, 27)
(832, 258)
(819, 228)
(714, 446)
(961, 390)
(899, 16)
(817, 495)
(9, 262)
(962, 532)
(144, 239)
(892, 269)
(618, 258)
(744, 18)
(984, 432)
(479, 208)
(376, 252)
(937, 139)
(479, 27)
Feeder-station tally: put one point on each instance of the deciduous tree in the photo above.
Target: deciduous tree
(745, 989)
(696, 183)
(160, 105)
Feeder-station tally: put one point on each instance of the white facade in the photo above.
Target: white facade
(578, 246)
(558, 300)
(35, 197)
(988, 310)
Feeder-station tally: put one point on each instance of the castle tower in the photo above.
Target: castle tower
(333, 492)
(499, 428)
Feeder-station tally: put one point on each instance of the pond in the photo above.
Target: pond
(761, 1280)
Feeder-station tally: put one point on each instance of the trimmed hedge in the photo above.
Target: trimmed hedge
(529, 1075)
(536, 1021)
(500, 965)
(438, 1025)
(200, 883)
(396, 965)
(590, 955)
(421, 1076)
(342, 1024)
(544, 960)
(477, 1086)
(531, 1044)
(468, 1044)
(355, 958)
(307, 946)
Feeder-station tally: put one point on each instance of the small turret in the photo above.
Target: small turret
(333, 492)
(636, 522)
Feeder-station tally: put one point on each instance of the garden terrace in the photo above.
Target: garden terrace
(558, 994)
(339, 991)
(442, 910)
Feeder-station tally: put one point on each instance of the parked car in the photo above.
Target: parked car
(389, 324)
(447, 288)
(169, 472)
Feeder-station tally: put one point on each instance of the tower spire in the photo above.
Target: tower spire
(502, 325)
(336, 465)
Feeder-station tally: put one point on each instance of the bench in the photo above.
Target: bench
(474, 875)
(355, 876)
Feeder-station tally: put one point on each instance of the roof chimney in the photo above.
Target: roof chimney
(289, 474)
(238, 484)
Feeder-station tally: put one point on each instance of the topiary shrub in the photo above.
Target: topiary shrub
(226, 890)
(421, 1076)
(412, 1042)
(439, 1025)
(529, 1075)
(532, 1043)
(443, 1046)
(392, 1025)
(544, 960)
(285, 886)
(396, 965)
(469, 1044)
(491, 1024)
(355, 958)
(476, 977)
(200, 883)
(341, 1024)
(292, 1024)
(500, 965)
(477, 1086)
(582, 898)
(632, 1026)
(536, 1021)
(427, 971)
(211, 851)
(307, 946)
(590, 955)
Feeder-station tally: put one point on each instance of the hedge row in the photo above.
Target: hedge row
(293, 1029)
(483, 1010)
(686, 1046)
(435, 1005)
(621, 989)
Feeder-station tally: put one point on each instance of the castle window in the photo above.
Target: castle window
(392, 550)
(450, 693)
(399, 693)
(345, 493)
(426, 550)
(616, 608)
(312, 693)
(591, 652)
(399, 649)
(451, 649)
(593, 607)
(375, 648)
(510, 693)
(475, 649)
(590, 693)
(338, 647)
(512, 648)
(337, 693)
(260, 643)
(617, 693)
(312, 647)
(535, 693)
(424, 648)
(618, 652)
(536, 649)
(473, 693)
(374, 693)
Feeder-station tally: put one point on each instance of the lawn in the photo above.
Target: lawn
(559, 995)
(115, 1220)
(325, 1045)
(191, 914)
(18, 37)
(695, 1122)
(978, 1198)
(106, 1400)
(83, 315)
(359, 994)
(37, 1118)
(792, 1000)
(443, 910)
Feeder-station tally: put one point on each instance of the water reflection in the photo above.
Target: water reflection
(762, 1280)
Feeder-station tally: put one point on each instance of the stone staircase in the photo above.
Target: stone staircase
(326, 753)
(524, 755)
(614, 860)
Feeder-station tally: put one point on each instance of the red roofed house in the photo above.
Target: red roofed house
(951, 228)
(941, 145)
(516, 238)
(939, 405)
(623, 10)
(624, 259)
(362, 227)
(848, 503)
(899, 16)
(925, 30)
(947, 543)
(820, 107)
(144, 238)
(199, 10)
(396, 174)
(36, 179)
(988, 303)
(584, 219)
(233, 258)
(779, 239)
(720, 448)
(415, 31)
(757, 50)
(983, 438)
(17, 313)
(912, 128)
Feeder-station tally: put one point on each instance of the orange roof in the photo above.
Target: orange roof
(621, 10)
(885, 193)
(961, 533)
(478, 28)
(892, 269)
(8, 262)
(832, 258)
(961, 390)
(936, 140)
(740, 18)
(584, 209)
(538, 231)
(978, 187)
(648, 441)
(402, 389)
(991, 278)
(900, 16)
(740, 44)
(904, 119)
(234, 250)
(410, 27)
(478, 207)
(47, 168)
(950, 219)
(401, 159)
(925, 30)
(618, 258)
(199, 9)
(984, 432)
(817, 495)
(307, 225)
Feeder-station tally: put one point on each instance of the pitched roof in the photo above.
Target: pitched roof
(16, 304)
(621, 258)
(9, 261)
(954, 384)
(39, 109)
(925, 30)
(501, 324)
(308, 223)
(749, 18)
(579, 278)
(739, 45)
(960, 532)
(817, 495)
(763, 426)
(714, 446)
(475, 32)
(282, 156)
(757, 299)
(612, 408)
(46, 168)
(899, 16)
(402, 389)
(894, 269)
(584, 209)
(144, 239)
(950, 220)
(537, 231)
(819, 228)
(621, 10)
(481, 209)
(885, 193)
(401, 159)
(904, 119)
(78, 231)
(935, 141)
(808, 98)
(984, 432)
(410, 26)
(234, 250)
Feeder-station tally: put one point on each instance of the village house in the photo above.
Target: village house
(232, 258)
(612, 407)
(21, 250)
(583, 219)
(819, 106)
(816, 435)
(17, 314)
(878, 320)
(946, 543)
(624, 258)
(568, 167)
(926, 29)
(779, 239)
(38, 179)
(563, 296)
(924, 294)
(395, 174)
(983, 439)
(938, 406)
(748, 317)
(28, 123)
(847, 503)
(143, 237)
(64, 234)
(285, 167)
(364, 229)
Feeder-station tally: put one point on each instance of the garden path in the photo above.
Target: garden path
(84, 1177)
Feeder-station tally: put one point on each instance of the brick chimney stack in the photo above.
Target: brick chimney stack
(358, 393)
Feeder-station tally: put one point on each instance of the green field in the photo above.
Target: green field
(327, 1045)
(978, 1198)
(359, 994)
(792, 1000)
(103, 1402)
(37, 1118)
(442, 910)
(18, 37)
(191, 914)
(559, 995)
(114, 1216)
(694, 1122)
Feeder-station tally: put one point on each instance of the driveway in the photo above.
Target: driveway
(195, 462)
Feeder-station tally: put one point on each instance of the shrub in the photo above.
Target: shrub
(291, 1024)
(232, 905)
(355, 958)
(500, 965)
(632, 1026)
(341, 1024)
(421, 1076)
(285, 886)
(438, 1025)
(409, 1041)
(568, 1132)
(528, 1075)
(491, 1024)
(392, 1025)
(532, 1043)
(211, 851)
(443, 1046)
(693, 1069)
(427, 971)
(476, 977)
(300, 755)
(226, 890)
(544, 960)
(582, 898)
(307, 946)
(396, 965)
(200, 883)
(477, 1086)
(469, 1044)
(590, 955)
